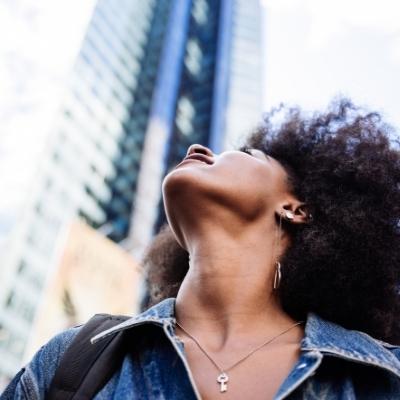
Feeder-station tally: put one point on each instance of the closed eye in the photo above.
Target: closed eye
(246, 150)
(254, 153)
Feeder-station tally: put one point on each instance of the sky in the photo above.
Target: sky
(39, 40)
(315, 50)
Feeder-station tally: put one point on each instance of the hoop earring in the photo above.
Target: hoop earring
(278, 275)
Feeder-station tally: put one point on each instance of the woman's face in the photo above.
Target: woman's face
(244, 184)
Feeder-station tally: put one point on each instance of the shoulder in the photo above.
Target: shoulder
(38, 373)
(332, 339)
(388, 353)
(394, 349)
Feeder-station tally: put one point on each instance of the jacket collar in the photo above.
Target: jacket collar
(322, 336)
(159, 314)
(333, 340)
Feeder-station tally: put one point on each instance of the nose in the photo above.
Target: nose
(198, 148)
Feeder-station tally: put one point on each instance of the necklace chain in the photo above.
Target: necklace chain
(223, 370)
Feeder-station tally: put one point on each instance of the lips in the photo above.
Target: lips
(199, 157)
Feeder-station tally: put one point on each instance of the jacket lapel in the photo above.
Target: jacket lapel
(333, 340)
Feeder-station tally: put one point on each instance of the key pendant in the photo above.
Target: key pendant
(223, 380)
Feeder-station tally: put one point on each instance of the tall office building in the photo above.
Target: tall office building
(152, 77)
(208, 91)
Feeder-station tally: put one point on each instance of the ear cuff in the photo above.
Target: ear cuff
(289, 215)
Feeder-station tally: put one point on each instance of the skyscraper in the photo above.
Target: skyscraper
(213, 51)
(151, 78)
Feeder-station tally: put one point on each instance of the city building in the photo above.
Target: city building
(151, 77)
(213, 52)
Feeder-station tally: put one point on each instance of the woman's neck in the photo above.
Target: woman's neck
(227, 293)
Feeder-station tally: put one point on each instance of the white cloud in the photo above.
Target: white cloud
(39, 40)
(330, 19)
(317, 49)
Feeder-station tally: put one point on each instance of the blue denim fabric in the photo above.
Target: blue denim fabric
(335, 363)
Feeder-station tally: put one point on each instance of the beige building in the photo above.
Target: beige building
(93, 275)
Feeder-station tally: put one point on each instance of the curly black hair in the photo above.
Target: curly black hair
(345, 264)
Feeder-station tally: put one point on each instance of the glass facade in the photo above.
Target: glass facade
(244, 99)
(151, 78)
(91, 145)
(194, 106)
(193, 111)
(128, 157)
(218, 99)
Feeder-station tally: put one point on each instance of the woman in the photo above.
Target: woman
(286, 276)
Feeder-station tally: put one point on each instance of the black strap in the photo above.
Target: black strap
(84, 367)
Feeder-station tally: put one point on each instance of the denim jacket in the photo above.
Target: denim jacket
(334, 363)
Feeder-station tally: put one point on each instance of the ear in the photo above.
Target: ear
(294, 211)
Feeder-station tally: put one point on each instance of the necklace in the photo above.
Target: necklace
(223, 377)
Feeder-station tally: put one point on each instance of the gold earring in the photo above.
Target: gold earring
(278, 275)
(278, 272)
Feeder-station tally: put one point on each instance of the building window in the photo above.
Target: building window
(193, 57)
(200, 11)
(10, 300)
(22, 267)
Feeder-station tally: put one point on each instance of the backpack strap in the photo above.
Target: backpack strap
(84, 367)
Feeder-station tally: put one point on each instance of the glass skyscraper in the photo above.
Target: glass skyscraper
(208, 91)
(151, 78)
